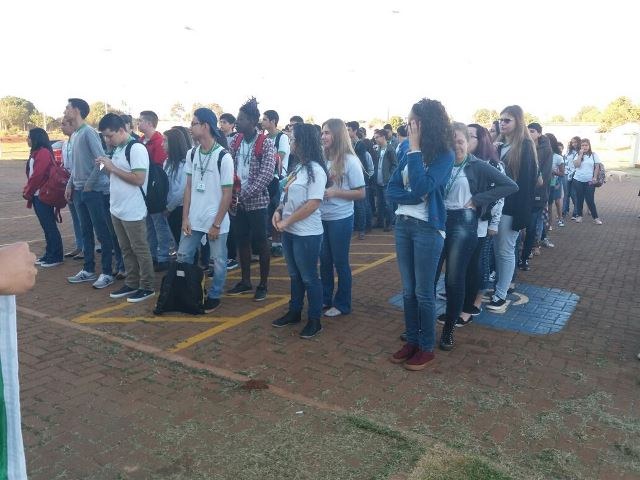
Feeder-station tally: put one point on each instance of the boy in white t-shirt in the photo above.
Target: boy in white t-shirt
(127, 187)
(207, 198)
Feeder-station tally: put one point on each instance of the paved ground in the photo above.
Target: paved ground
(109, 391)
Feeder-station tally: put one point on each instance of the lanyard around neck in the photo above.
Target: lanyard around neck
(452, 180)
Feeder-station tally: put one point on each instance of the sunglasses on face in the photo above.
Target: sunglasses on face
(505, 120)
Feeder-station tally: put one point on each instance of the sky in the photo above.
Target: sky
(335, 58)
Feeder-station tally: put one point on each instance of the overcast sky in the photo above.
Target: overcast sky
(350, 59)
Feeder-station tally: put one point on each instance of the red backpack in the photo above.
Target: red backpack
(53, 188)
(258, 149)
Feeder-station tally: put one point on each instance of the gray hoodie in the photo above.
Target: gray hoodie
(85, 174)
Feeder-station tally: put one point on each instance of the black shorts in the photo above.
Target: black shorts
(250, 227)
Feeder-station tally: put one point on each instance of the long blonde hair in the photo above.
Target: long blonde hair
(520, 136)
(339, 149)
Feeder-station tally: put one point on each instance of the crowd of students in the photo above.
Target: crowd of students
(472, 201)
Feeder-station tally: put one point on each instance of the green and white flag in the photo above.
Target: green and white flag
(12, 464)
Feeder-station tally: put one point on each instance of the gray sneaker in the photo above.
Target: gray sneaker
(103, 281)
(82, 276)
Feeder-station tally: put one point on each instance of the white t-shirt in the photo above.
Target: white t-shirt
(244, 161)
(298, 193)
(127, 202)
(284, 149)
(352, 179)
(204, 173)
(418, 211)
(584, 173)
(457, 189)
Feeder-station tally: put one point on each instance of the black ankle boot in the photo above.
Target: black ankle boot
(289, 318)
(311, 329)
(446, 338)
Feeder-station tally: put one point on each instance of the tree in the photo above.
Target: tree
(484, 116)
(396, 121)
(177, 111)
(530, 118)
(15, 112)
(557, 119)
(588, 113)
(622, 110)
(215, 107)
(375, 123)
(97, 111)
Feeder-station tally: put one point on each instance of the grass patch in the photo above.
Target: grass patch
(441, 463)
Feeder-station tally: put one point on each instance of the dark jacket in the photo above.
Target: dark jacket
(487, 184)
(519, 204)
(545, 165)
(429, 181)
(389, 164)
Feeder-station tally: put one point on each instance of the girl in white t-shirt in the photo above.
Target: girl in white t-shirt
(587, 165)
(346, 179)
(298, 218)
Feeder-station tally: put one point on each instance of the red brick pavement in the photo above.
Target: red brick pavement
(560, 403)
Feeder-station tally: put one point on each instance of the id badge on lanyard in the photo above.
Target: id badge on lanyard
(200, 187)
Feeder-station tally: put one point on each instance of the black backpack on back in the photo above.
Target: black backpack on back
(181, 290)
(157, 184)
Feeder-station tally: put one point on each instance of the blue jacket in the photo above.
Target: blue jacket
(429, 181)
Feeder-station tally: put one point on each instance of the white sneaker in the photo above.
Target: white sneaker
(82, 276)
(103, 281)
(332, 312)
(50, 264)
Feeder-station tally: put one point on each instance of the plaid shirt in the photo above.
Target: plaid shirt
(255, 195)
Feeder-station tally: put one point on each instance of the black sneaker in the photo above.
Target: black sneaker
(442, 318)
(474, 311)
(123, 292)
(239, 289)
(210, 304)
(140, 295)
(311, 329)
(261, 294)
(461, 322)
(497, 305)
(511, 290)
(289, 318)
(446, 338)
(524, 266)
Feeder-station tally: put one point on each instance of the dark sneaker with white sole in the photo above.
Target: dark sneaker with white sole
(140, 295)
(261, 294)
(239, 289)
(289, 318)
(461, 322)
(474, 311)
(123, 292)
(498, 305)
(210, 304)
(311, 329)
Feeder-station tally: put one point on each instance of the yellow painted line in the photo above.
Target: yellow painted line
(232, 323)
(374, 264)
(86, 318)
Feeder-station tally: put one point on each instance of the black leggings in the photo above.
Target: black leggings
(587, 192)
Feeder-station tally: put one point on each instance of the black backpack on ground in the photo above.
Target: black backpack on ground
(181, 290)
(157, 184)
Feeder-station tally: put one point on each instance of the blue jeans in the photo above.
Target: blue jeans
(504, 249)
(114, 238)
(218, 248)
(459, 246)
(363, 215)
(91, 209)
(532, 236)
(77, 227)
(385, 208)
(335, 253)
(53, 240)
(569, 194)
(418, 249)
(301, 254)
(159, 237)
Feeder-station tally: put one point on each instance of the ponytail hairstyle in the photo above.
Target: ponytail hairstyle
(520, 139)
(308, 148)
(436, 134)
(176, 150)
(339, 149)
(39, 139)
(485, 150)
